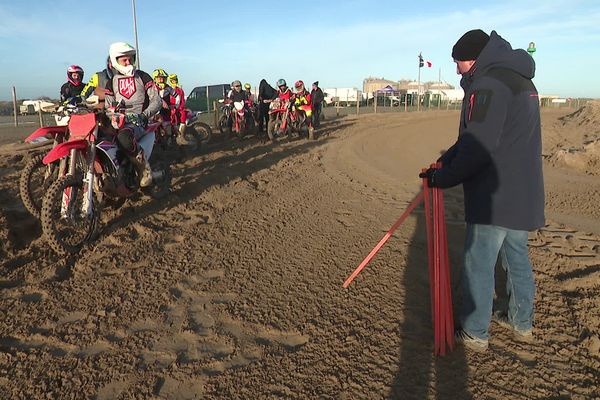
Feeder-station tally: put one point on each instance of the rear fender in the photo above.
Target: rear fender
(47, 130)
(63, 150)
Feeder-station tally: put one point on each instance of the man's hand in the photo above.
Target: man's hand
(430, 175)
(137, 119)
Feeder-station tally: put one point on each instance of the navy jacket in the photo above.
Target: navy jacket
(497, 156)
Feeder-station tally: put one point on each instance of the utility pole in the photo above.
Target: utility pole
(14, 96)
(137, 47)
(419, 82)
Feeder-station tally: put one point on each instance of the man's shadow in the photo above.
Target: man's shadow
(420, 374)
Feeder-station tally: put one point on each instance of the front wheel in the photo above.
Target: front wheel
(34, 182)
(224, 125)
(65, 224)
(203, 131)
(273, 128)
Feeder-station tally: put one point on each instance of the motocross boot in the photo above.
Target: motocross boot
(143, 168)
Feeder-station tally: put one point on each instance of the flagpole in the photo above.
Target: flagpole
(137, 48)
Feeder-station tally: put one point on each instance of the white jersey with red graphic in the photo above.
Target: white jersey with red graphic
(137, 92)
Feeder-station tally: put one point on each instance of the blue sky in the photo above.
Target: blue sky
(338, 43)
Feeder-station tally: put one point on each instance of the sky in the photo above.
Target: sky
(338, 43)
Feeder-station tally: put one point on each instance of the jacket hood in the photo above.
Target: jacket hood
(498, 53)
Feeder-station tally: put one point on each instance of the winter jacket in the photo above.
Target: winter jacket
(317, 96)
(266, 91)
(497, 156)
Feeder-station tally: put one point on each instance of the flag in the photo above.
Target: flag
(424, 63)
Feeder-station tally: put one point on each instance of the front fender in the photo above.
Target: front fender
(47, 130)
(63, 150)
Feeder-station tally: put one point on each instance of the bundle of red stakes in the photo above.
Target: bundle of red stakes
(439, 265)
(439, 268)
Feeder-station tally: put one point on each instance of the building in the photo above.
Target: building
(372, 84)
(404, 86)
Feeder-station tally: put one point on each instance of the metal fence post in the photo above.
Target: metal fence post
(375, 102)
(216, 114)
(40, 114)
(14, 96)
(207, 101)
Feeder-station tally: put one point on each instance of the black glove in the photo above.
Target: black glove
(137, 119)
(430, 175)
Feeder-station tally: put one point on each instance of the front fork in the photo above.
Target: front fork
(88, 184)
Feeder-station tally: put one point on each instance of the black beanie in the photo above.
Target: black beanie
(470, 45)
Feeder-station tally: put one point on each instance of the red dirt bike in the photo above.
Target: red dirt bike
(36, 178)
(236, 118)
(72, 205)
(285, 117)
(279, 120)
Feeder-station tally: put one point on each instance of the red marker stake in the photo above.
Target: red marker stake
(389, 234)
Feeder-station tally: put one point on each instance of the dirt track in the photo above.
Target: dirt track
(231, 288)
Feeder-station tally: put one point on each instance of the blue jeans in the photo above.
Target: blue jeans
(483, 244)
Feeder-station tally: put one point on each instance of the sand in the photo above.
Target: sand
(232, 287)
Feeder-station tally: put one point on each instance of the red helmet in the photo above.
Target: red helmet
(299, 85)
(72, 69)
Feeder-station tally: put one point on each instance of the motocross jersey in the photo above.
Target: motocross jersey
(250, 97)
(303, 98)
(178, 103)
(285, 96)
(166, 94)
(69, 90)
(138, 93)
(98, 80)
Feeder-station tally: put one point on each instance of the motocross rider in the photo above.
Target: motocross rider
(284, 93)
(166, 93)
(178, 114)
(249, 95)
(303, 101)
(136, 90)
(236, 94)
(74, 85)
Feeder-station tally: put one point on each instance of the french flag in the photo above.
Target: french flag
(427, 63)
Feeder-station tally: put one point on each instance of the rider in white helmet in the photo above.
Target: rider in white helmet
(137, 91)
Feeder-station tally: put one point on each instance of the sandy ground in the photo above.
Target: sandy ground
(231, 287)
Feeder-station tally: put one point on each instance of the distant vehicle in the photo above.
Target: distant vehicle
(343, 96)
(33, 106)
(198, 100)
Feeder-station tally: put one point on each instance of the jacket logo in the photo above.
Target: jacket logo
(127, 86)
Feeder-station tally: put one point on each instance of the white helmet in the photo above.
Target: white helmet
(119, 49)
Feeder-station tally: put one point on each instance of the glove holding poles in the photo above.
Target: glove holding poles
(430, 175)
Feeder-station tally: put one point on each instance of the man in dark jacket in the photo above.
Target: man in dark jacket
(497, 158)
(317, 97)
(266, 93)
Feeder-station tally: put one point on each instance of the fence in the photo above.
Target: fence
(387, 104)
(373, 105)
